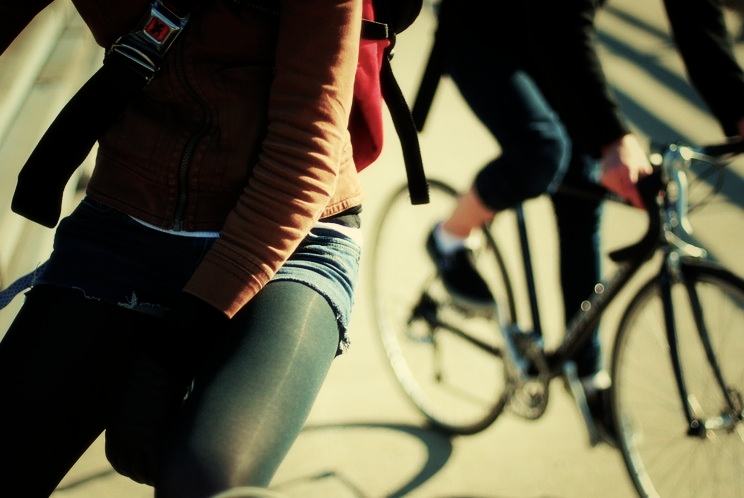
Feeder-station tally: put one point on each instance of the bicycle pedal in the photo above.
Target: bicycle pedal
(577, 391)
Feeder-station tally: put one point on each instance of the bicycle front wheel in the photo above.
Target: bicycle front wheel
(447, 360)
(665, 456)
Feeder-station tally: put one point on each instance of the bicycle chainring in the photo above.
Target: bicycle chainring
(530, 397)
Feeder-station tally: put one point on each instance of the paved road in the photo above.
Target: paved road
(363, 439)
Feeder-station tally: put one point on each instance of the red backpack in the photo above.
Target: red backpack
(375, 83)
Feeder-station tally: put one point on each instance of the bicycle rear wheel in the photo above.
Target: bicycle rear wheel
(664, 456)
(446, 360)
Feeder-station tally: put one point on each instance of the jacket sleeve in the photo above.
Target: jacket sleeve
(15, 16)
(566, 65)
(309, 107)
(702, 39)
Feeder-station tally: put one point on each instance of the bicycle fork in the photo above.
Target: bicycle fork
(671, 274)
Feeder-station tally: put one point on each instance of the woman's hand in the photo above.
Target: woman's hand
(158, 384)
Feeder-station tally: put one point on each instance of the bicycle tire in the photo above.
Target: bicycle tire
(660, 456)
(458, 387)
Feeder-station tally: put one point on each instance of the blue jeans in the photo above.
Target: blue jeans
(110, 257)
(537, 154)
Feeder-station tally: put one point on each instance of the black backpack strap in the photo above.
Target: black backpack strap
(129, 65)
(385, 29)
(418, 186)
(70, 138)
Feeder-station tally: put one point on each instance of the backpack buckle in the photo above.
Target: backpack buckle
(145, 47)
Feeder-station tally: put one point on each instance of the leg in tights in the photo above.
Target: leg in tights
(252, 399)
(578, 222)
(60, 363)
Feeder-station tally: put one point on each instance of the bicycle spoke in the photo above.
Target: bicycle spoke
(446, 360)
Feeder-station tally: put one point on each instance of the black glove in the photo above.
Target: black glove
(140, 422)
(157, 386)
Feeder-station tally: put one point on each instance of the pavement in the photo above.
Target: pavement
(363, 438)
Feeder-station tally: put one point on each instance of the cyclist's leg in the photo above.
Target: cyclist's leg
(534, 149)
(60, 363)
(252, 399)
(533, 142)
(578, 223)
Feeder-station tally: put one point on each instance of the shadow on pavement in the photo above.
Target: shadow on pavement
(430, 447)
(333, 460)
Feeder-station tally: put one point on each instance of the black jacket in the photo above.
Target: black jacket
(556, 41)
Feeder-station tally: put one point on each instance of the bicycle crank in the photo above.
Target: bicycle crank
(530, 397)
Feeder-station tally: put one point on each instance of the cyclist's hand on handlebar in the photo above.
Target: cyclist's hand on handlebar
(624, 162)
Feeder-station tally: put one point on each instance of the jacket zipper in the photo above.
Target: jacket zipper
(187, 156)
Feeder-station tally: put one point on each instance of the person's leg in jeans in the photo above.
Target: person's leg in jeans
(61, 364)
(252, 398)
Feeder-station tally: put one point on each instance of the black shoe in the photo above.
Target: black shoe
(600, 409)
(459, 276)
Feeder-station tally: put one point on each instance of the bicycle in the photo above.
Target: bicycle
(676, 362)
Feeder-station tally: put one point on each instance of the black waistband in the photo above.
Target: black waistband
(349, 218)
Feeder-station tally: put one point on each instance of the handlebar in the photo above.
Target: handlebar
(668, 213)
(730, 148)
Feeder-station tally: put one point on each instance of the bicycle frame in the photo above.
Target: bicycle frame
(582, 325)
(667, 231)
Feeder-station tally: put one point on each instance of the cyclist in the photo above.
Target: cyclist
(517, 62)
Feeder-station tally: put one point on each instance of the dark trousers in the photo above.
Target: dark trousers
(536, 155)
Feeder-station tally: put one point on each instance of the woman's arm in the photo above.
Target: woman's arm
(295, 177)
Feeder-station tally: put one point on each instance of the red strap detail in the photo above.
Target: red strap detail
(157, 29)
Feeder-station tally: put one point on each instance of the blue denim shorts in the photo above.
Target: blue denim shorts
(111, 257)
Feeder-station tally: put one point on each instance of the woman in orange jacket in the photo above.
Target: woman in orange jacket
(218, 243)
